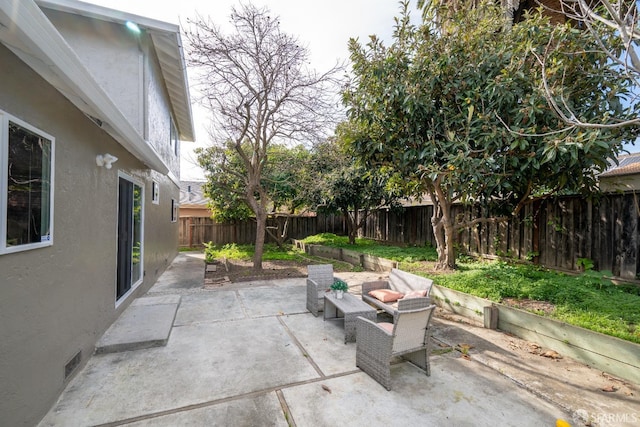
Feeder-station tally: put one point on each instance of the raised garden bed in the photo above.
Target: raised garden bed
(603, 352)
(609, 354)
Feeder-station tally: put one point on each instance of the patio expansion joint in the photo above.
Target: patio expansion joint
(210, 403)
(301, 347)
(241, 302)
(285, 409)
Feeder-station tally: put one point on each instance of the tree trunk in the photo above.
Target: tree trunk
(351, 227)
(438, 233)
(443, 228)
(450, 249)
(261, 229)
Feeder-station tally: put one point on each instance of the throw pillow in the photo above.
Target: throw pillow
(386, 295)
(415, 294)
(386, 326)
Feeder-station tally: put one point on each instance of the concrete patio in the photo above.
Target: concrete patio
(250, 354)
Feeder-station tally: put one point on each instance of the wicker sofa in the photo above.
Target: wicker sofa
(404, 283)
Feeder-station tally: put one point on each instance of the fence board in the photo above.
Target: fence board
(559, 230)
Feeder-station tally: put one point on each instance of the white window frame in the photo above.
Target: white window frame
(174, 141)
(174, 210)
(5, 118)
(155, 193)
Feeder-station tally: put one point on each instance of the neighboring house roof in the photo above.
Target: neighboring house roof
(191, 194)
(627, 165)
(29, 34)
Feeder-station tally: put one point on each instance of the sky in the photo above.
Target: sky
(324, 27)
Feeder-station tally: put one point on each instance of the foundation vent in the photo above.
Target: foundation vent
(72, 364)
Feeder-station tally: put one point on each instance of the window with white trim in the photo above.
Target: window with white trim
(155, 193)
(173, 135)
(174, 210)
(26, 186)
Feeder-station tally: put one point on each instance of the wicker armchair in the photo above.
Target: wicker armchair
(378, 343)
(319, 278)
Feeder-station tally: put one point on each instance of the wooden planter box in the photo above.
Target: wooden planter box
(613, 355)
(368, 262)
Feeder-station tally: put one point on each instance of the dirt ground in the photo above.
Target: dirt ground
(234, 271)
(241, 271)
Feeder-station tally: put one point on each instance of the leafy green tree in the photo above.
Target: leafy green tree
(256, 83)
(463, 112)
(225, 186)
(613, 25)
(342, 185)
(285, 175)
(282, 180)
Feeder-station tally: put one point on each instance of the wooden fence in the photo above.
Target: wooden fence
(556, 233)
(194, 232)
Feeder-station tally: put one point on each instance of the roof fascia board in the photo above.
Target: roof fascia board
(105, 14)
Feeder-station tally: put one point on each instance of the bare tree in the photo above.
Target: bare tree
(259, 88)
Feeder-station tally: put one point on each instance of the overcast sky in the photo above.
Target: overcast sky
(323, 26)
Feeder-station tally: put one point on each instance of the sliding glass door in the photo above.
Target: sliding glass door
(130, 248)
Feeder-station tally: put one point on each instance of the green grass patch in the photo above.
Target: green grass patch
(588, 300)
(245, 252)
(406, 254)
(271, 253)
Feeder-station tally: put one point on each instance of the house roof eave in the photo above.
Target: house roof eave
(168, 45)
(27, 32)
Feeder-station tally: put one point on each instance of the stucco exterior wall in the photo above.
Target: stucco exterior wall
(58, 300)
(622, 183)
(158, 119)
(113, 55)
(125, 64)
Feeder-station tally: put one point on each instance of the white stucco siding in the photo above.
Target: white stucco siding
(159, 113)
(114, 57)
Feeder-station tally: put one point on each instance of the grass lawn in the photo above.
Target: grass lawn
(588, 300)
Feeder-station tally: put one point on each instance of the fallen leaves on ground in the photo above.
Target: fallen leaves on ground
(464, 349)
(551, 354)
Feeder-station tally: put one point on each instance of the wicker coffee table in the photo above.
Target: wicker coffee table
(347, 308)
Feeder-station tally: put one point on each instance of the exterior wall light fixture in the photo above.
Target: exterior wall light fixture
(106, 160)
(133, 27)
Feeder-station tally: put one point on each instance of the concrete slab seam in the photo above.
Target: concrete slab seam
(215, 402)
(288, 416)
(263, 316)
(242, 306)
(303, 351)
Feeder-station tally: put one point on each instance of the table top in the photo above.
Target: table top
(349, 303)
